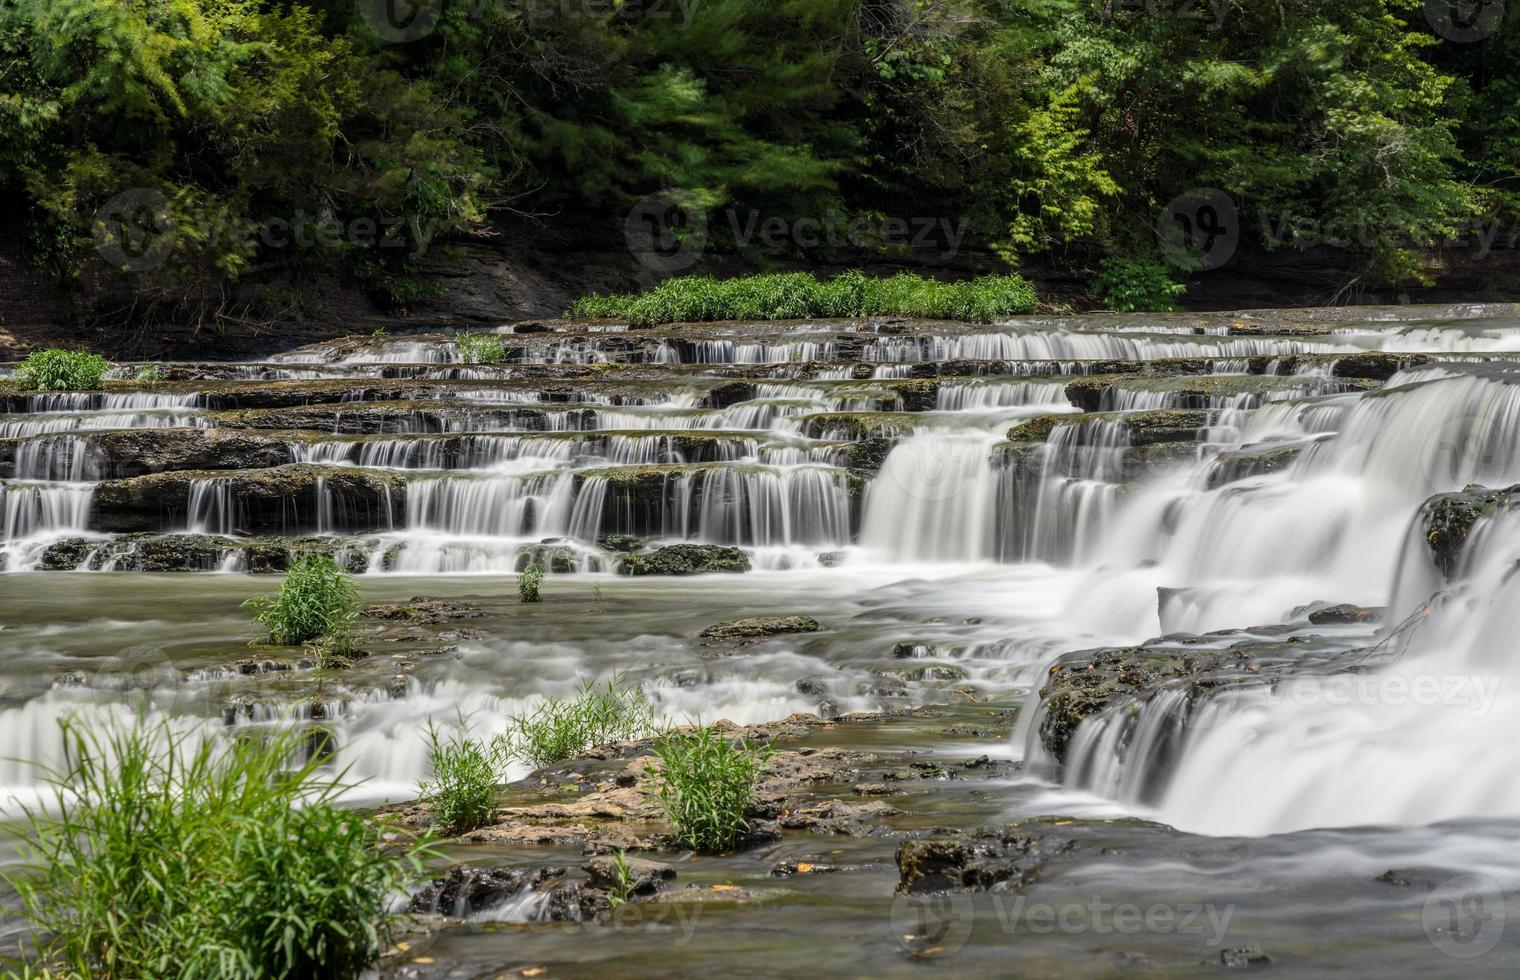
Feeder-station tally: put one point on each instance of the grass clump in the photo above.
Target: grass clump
(317, 601)
(462, 794)
(481, 348)
(163, 854)
(706, 785)
(795, 296)
(529, 582)
(563, 728)
(1134, 286)
(54, 369)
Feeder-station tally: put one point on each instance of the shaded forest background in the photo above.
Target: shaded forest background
(332, 161)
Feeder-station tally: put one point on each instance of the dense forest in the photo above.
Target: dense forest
(341, 137)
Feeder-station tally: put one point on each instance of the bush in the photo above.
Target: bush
(562, 728)
(1134, 286)
(796, 296)
(528, 583)
(706, 786)
(61, 370)
(481, 348)
(462, 793)
(149, 374)
(317, 601)
(165, 854)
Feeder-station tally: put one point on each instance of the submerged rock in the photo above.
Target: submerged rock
(644, 877)
(687, 559)
(1008, 859)
(761, 626)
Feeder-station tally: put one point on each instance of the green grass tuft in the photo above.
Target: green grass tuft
(164, 854)
(481, 348)
(462, 794)
(562, 728)
(706, 785)
(317, 601)
(529, 581)
(61, 370)
(797, 296)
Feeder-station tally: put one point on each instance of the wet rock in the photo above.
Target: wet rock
(1344, 614)
(1243, 957)
(1376, 365)
(838, 817)
(1242, 464)
(1448, 519)
(788, 867)
(464, 890)
(1008, 859)
(912, 649)
(278, 500)
(644, 877)
(832, 559)
(923, 672)
(864, 457)
(687, 559)
(761, 627)
(622, 544)
(425, 611)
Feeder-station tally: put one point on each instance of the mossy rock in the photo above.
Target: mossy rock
(687, 559)
(1448, 520)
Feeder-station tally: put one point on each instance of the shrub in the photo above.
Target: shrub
(481, 348)
(562, 728)
(61, 370)
(528, 583)
(317, 601)
(165, 854)
(706, 785)
(462, 793)
(149, 374)
(1134, 286)
(795, 296)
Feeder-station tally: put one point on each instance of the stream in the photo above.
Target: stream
(1287, 531)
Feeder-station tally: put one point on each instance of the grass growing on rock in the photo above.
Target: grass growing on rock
(481, 348)
(706, 785)
(529, 582)
(53, 369)
(793, 296)
(161, 854)
(462, 794)
(317, 601)
(562, 728)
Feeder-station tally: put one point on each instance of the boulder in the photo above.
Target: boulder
(761, 627)
(687, 559)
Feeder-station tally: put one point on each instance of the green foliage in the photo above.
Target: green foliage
(166, 854)
(796, 296)
(462, 794)
(149, 374)
(706, 785)
(623, 890)
(528, 583)
(317, 601)
(1132, 285)
(562, 728)
(53, 369)
(481, 348)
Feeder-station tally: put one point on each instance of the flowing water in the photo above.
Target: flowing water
(980, 500)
